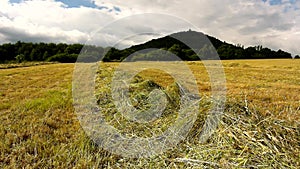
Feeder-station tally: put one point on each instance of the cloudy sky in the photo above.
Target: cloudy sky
(271, 23)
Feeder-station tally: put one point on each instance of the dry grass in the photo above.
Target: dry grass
(260, 128)
(23, 64)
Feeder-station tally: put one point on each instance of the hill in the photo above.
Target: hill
(200, 45)
(180, 44)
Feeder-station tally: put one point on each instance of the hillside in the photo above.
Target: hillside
(199, 44)
(68, 53)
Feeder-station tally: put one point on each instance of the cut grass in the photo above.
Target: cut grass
(260, 127)
(23, 64)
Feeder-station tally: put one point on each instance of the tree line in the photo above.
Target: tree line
(51, 52)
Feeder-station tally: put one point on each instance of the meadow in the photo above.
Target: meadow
(260, 127)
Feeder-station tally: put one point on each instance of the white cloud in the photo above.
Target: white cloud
(49, 21)
(248, 22)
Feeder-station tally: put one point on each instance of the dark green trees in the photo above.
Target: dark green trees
(21, 51)
(205, 50)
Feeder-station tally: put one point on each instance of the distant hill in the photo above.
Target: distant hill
(191, 45)
(200, 45)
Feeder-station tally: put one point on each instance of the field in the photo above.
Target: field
(260, 127)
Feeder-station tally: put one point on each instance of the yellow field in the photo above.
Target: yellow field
(260, 128)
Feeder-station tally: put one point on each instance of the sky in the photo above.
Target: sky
(271, 23)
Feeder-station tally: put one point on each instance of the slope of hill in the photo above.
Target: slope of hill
(180, 44)
(201, 44)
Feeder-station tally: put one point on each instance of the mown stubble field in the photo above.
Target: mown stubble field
(260, 127)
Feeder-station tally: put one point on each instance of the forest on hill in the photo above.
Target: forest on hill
(171, 43)
(68, 53)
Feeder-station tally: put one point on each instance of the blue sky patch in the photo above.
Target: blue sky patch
(279, 2)
(78, 3)
(275, 2)
(15, 1)
(70, 3)
(117, 9)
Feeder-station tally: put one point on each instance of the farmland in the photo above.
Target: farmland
(260, 127)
